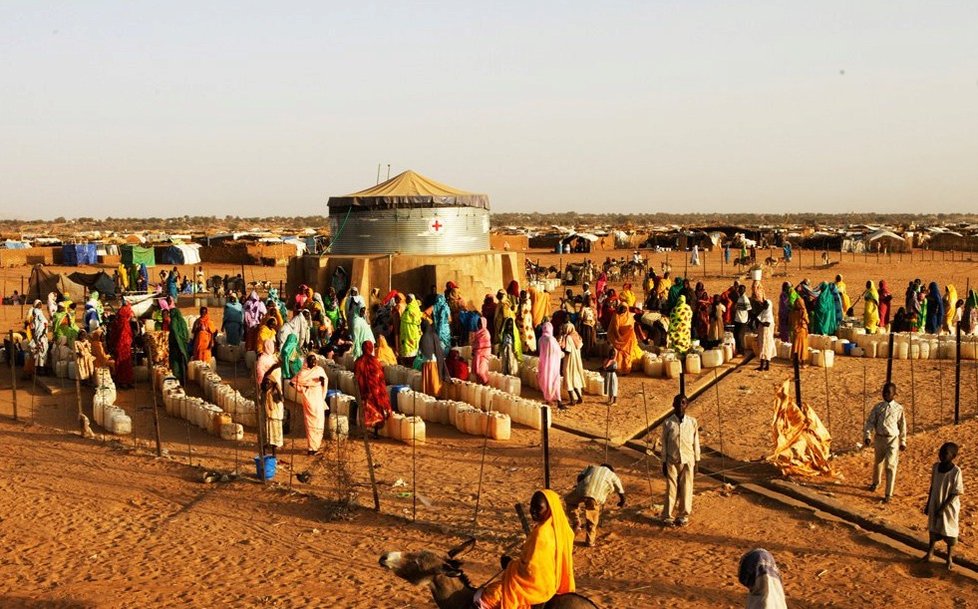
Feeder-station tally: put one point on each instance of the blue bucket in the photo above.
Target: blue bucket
(848, 347)
(270, 467)
(393, 390)
(331, 392)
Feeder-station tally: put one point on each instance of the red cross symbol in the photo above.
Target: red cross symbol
(437, 225)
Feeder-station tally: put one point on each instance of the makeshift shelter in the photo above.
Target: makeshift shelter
(43, 282)
(181, 254)
(886, 241)
(136, 255)
(99, 281)
(15, 245)
(76, 254)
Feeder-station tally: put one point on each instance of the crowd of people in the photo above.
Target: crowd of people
(604, 324)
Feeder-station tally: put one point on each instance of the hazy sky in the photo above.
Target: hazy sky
(246, 108)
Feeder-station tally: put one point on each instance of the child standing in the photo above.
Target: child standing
(943, 501)
(610, 368)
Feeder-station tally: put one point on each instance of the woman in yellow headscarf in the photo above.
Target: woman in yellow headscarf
(871, 308)
(545, 568)
(627, 296)
(541, 305)
(950, 308)
(384, 353)
(843, 294)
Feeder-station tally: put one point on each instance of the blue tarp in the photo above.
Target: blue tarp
(78, 254)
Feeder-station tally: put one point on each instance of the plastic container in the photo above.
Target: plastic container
(500, 427)
(121, 424)
(337, 427)
(232, 431)
(712, 358)
(267, 468)
(672, 369)
(693, 363)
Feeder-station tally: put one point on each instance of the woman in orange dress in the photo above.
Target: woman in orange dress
(203, 335)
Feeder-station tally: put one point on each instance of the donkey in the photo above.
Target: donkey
(450, 587)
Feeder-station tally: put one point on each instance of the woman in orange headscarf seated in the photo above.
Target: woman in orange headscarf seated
(544, 569)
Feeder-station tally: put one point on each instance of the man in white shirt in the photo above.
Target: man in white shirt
(888, 430)
(594, 484)
(680, 453)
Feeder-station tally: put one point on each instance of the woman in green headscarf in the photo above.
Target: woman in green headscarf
(675, 291)
(291, 358)
(179, 340)
(824, 316)
(871, 308)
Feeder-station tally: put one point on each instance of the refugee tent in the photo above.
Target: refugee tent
(43, 282)
(76, 254)
(887, 241)
(136, 255)
(99, 281)
(181, 254)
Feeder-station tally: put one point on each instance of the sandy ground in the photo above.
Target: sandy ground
(127, 504)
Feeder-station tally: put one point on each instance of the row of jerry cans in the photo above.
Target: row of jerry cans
(403, 428)
(226, 418)
(460, 415)
(229, 353)
(106, 413)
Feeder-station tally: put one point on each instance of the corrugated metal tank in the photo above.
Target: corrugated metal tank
(418, 230)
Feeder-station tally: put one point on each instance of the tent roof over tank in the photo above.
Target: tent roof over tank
(407, 189)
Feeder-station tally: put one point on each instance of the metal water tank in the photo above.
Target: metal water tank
(409, 214)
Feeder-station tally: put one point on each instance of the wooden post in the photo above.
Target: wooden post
(13, 374)
(23, 299)
(797, 380)
(889, 360)
(913, 391)
(864, 390)
(152, 391)
(78, 396)
(957, 377)
(828, 403)
(545, 431)
(361, 416)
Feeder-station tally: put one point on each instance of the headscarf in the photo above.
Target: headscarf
(481, 350)
(178, 343)
(291, 359)
(360, 333)
(760, 575)
(548, 373)
(935, 309)
(254, 310)
(456, 365)
(431, 350)
(825, 316)
(541, 304)
(441, 318)
(545, 568)
(373, 388)
(384, 353)
(680, 326)
(871, 310)
(885, 301)
(951, 296)
(600, 284)
(410, 329)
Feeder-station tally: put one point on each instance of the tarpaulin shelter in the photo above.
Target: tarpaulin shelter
(43, 282)
(15, 245)
(136, 255)
(76, 254)
(99, 281)
(181, 254)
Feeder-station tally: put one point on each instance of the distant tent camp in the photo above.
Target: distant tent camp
(136, 255)
(98, 281)
(43, 282)
(76, 254)
(181, 254)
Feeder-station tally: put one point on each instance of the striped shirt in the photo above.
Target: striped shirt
(597, 482)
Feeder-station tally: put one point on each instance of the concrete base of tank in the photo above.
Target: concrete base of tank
(476, 274)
